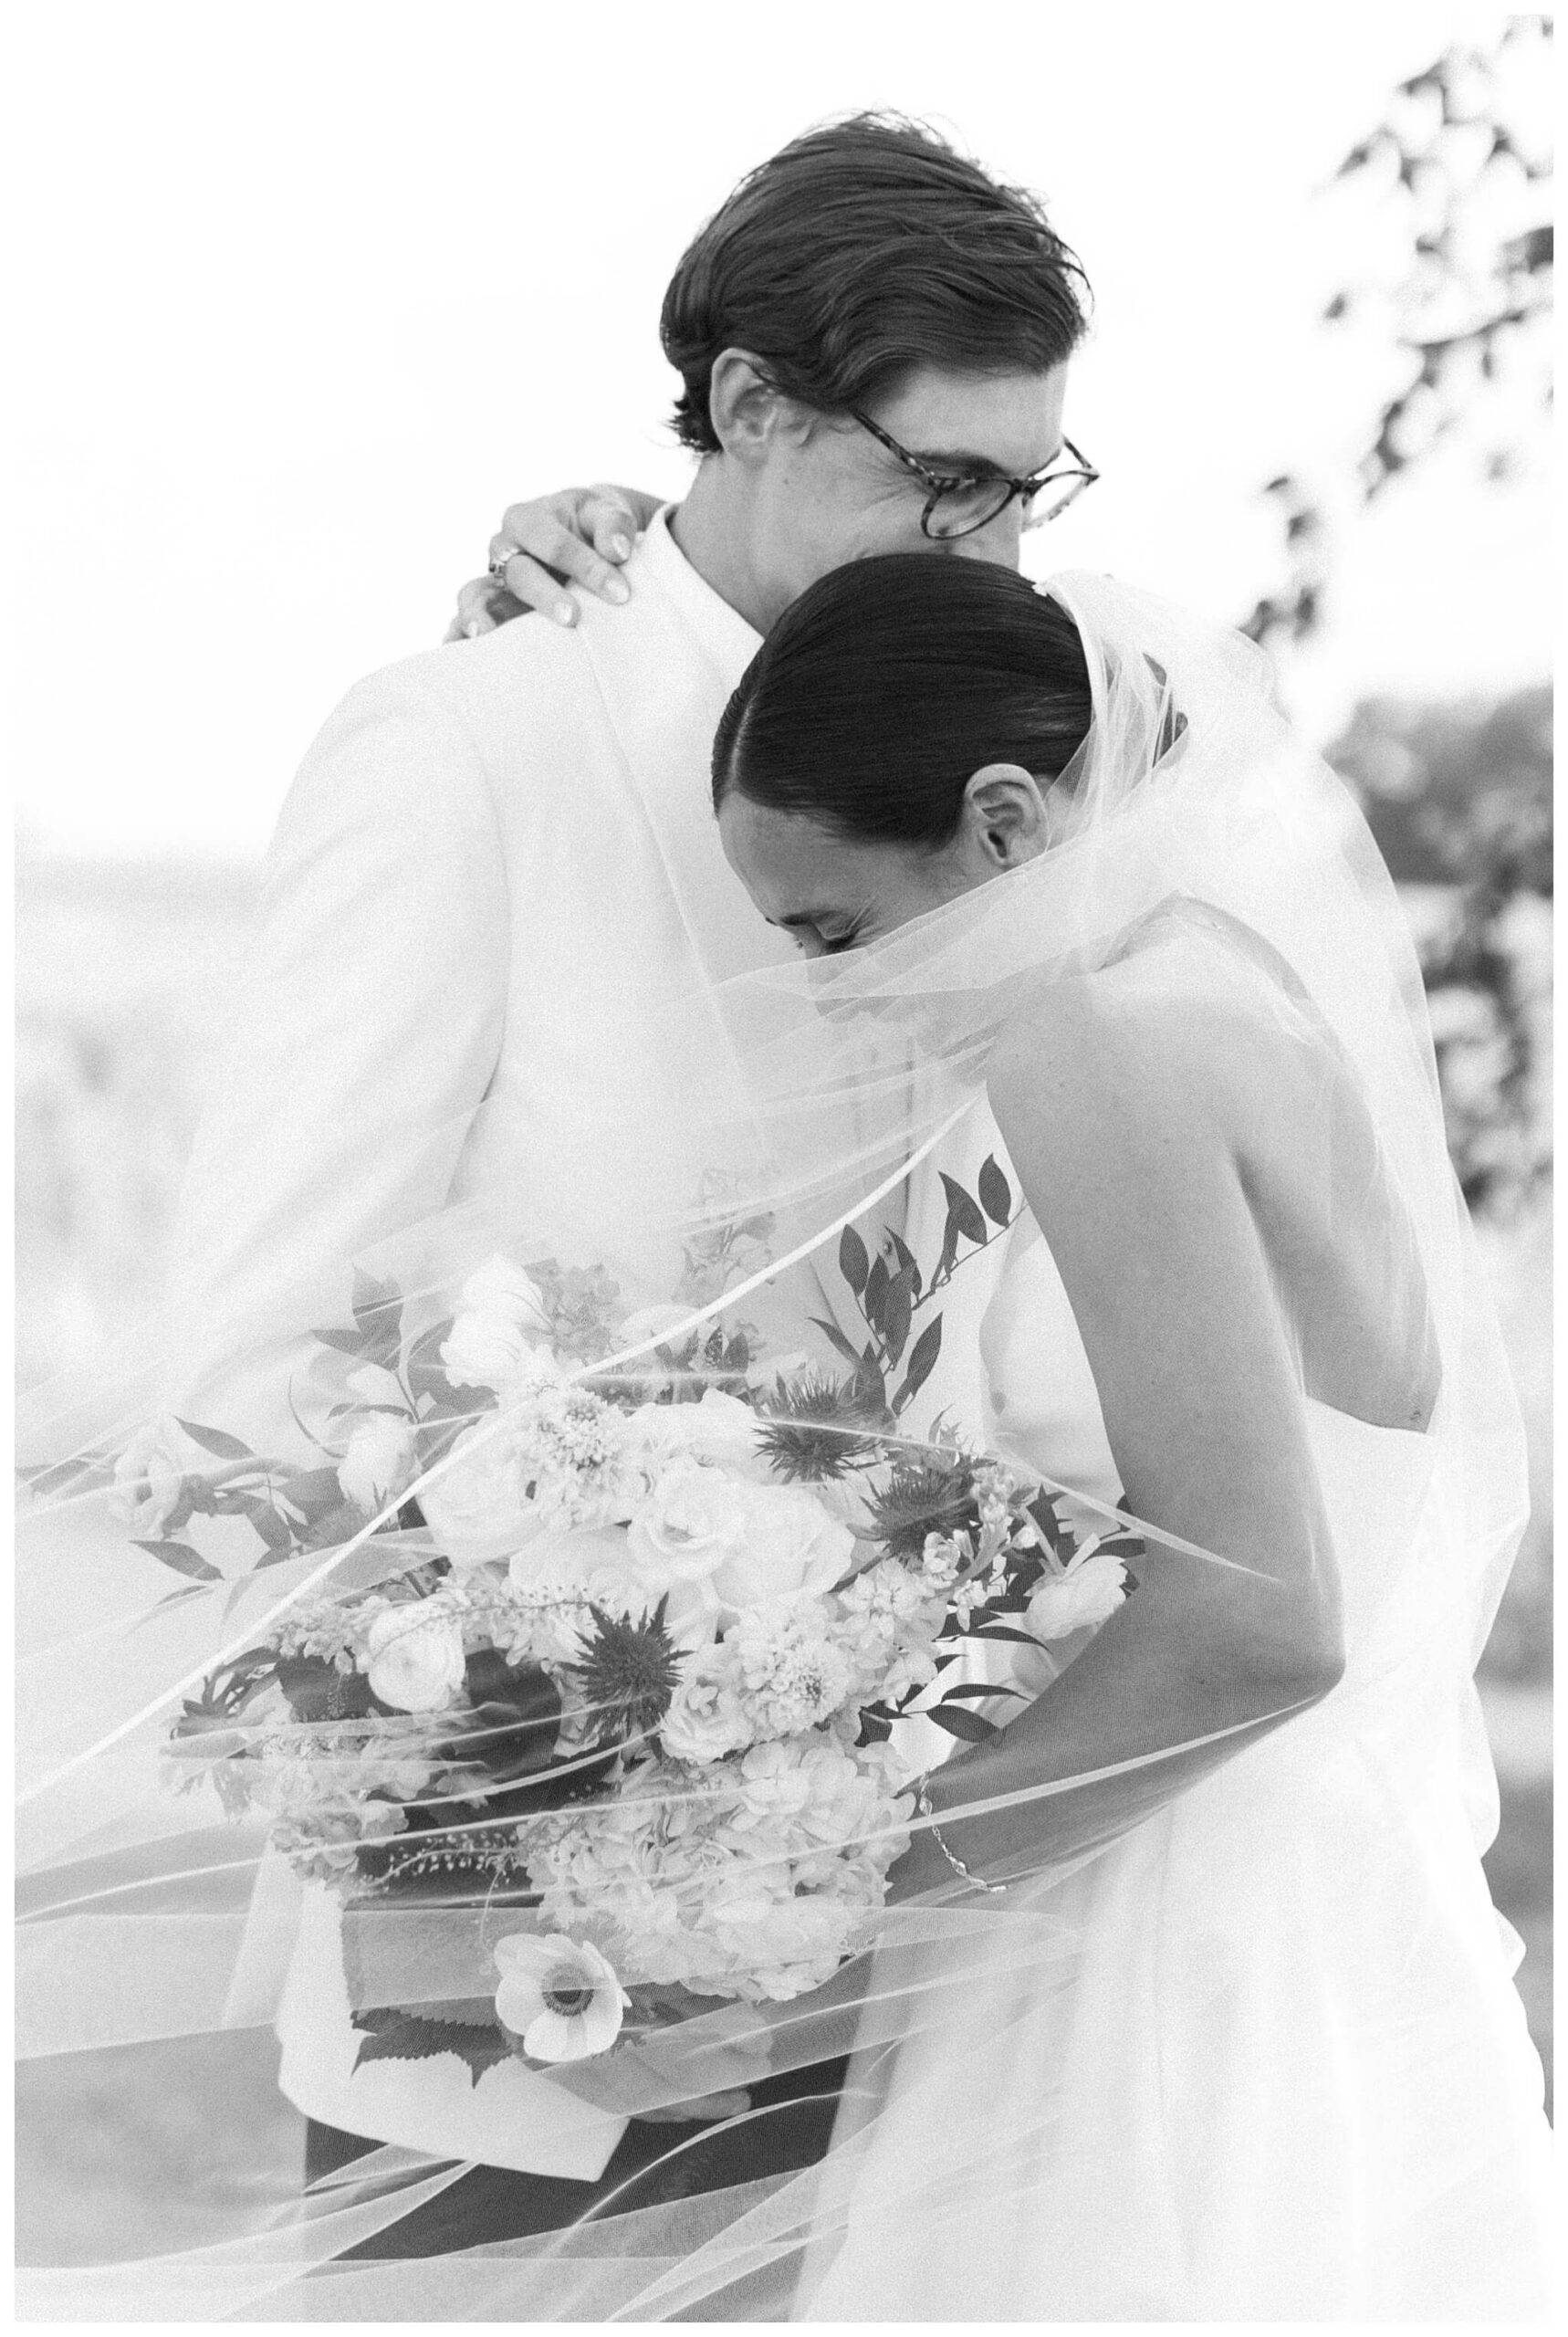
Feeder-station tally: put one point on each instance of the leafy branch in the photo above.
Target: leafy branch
(889, 1302)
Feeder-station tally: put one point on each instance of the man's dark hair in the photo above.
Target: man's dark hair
(859, 252)
(889, 683)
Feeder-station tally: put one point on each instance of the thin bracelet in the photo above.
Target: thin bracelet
(922, 1809)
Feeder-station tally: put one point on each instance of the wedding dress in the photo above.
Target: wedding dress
(1285, 2075)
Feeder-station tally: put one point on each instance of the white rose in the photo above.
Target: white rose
(720, 1430)
(790, 1546)
(148, 1476)
(707, 1718)
(499, 1323)
(693, 1519)
(413, 1656)
(1093, 1588)
(478, 1509)
(377, 1461)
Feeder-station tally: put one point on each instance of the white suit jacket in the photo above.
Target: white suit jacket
(496, 858)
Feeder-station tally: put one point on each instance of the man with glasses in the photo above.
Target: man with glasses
(499, 863)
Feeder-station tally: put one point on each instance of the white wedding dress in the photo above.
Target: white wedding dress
(1283, 2072)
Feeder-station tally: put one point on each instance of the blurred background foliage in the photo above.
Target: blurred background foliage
(123, 969)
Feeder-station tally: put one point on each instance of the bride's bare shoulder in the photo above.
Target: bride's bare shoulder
(1169, 1044)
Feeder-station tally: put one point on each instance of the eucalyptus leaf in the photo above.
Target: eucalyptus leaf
(218, 1442)
(184, 1559)
(837, 1339)
(922, 1357)
(995, 1193)
(895, 1317)
(963, 1215)
(854, 1261)
(958, 1723)
(907, 1261)
(344, 1342)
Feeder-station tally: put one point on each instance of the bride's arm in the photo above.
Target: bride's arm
(580, 535)
(1118, 1130)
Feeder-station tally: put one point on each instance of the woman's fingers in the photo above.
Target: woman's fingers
(530, 583)
(559, 535)
(482, 605)
(610, 522)
(547, 548)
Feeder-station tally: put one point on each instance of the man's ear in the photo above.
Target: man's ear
(745, 410)
(1003, 822)
(744, 406)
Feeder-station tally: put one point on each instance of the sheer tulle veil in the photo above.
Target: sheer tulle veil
(1194, 840)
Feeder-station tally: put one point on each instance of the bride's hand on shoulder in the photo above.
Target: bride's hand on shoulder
(578, 536)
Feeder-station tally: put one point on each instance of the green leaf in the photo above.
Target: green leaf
(898, 1308)
(906, 1262)
(875, 1293)
(854, 1262)
(837, 1339)
(312, 1490)
(184, 1559)
(394, 2035)
(923, 1358)
(317, 1691)
(378, 1305)
(1004, 1631)
(995, 1193)
(218, 1442)
(274, 1530)
(345, 1342)
(974, 1690)
(963, 1217)
(958, 1723)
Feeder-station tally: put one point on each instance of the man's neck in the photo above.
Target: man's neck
(710, 528)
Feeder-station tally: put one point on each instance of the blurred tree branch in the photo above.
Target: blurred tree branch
(1465, 309)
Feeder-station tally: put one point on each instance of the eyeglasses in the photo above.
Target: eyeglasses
(958, 507)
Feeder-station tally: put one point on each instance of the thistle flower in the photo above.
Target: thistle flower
(811, 1431)
(932, 1494)
(628, 1671)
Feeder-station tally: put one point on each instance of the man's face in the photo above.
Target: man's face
(830, 492)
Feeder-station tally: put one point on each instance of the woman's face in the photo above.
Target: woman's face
(832, 892)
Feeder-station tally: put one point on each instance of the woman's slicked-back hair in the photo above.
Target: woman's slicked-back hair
(859, 252)
(884, 688)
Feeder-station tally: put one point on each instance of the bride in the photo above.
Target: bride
(1192, 2003)
(1286, 2000)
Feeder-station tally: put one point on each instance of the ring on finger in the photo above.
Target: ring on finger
(498, 561)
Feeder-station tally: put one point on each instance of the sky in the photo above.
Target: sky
(308, 293)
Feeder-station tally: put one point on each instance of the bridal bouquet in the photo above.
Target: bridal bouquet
(636, 1668)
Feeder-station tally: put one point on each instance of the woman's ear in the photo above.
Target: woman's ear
(1003, 822)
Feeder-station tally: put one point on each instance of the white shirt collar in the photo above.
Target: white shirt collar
(729, 641)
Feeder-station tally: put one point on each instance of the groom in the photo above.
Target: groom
(499, 863)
